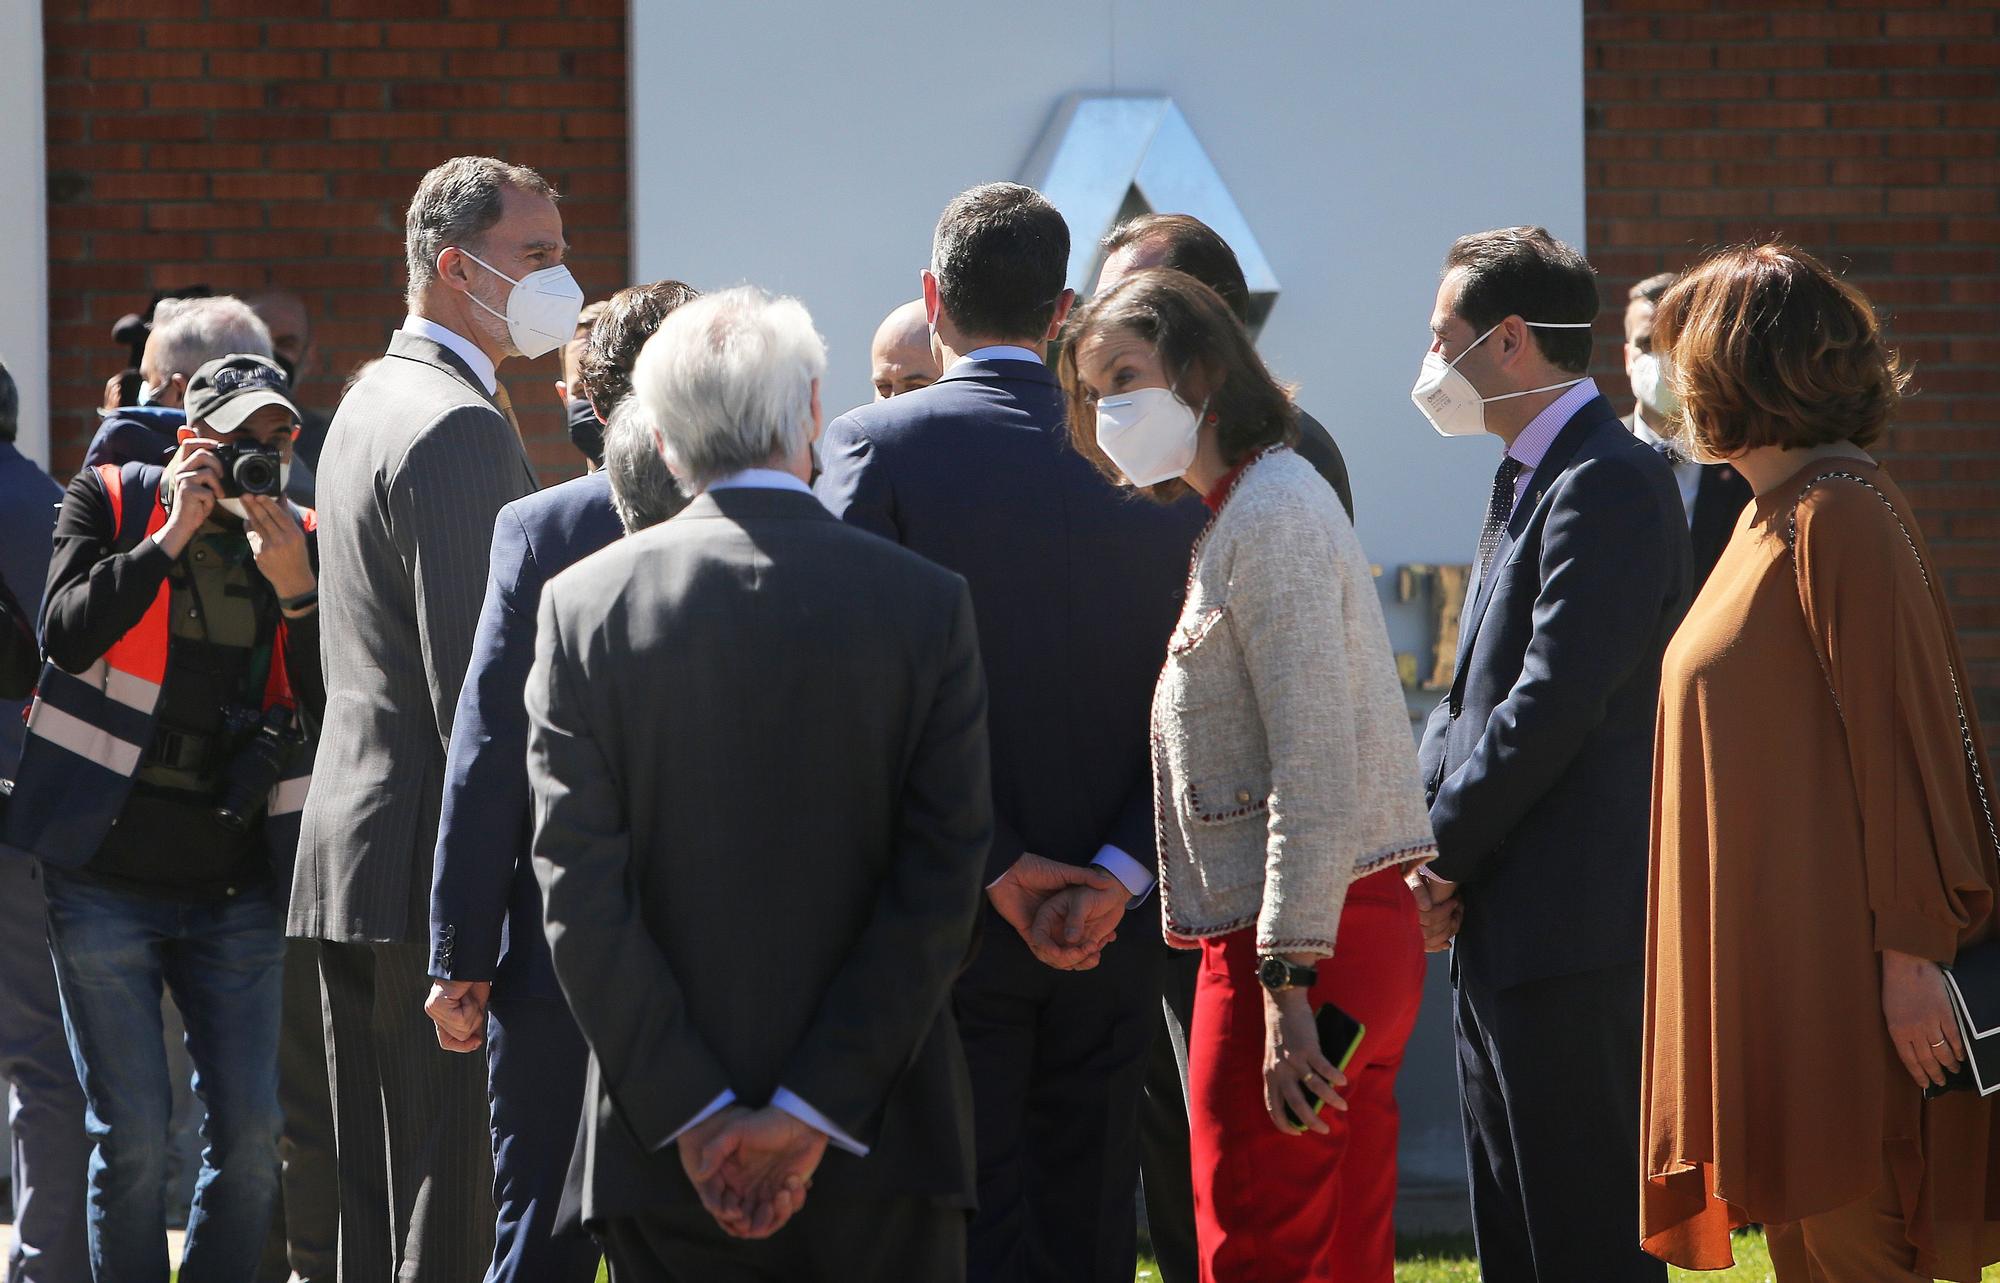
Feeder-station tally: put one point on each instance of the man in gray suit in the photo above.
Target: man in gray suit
(421, 456)
(762, 803)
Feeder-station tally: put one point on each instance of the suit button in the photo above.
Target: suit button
(1243, 796)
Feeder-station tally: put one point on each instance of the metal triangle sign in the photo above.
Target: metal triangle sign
(1106, 157)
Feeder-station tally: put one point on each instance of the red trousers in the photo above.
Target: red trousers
(1285, 1208)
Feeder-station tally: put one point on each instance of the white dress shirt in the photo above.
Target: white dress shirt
(463, 348)
(784, 1098)
(1687, 473)
(1000, 352)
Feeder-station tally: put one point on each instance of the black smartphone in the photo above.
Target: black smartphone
(1339, 1037)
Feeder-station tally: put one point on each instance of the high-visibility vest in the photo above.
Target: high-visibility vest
(88, 732)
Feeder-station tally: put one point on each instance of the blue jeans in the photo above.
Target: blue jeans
(224, 962)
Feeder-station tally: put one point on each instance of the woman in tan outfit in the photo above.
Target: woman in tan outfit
(1821, 837)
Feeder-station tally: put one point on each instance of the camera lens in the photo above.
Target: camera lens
(257, 473)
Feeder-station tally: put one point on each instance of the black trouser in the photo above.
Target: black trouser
(1548, 1073)
(904, 1240)
(536, 1061)
(1163, 1124)
(304, 1234)
(410, 1124)
(1057, 1059)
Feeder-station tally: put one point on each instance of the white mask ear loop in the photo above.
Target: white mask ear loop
(1540, 325)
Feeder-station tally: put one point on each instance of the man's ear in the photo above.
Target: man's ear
(1063, 305)
(931, 305)
(1630, 352)
(819, 417)
(453, 267)
(593, 408)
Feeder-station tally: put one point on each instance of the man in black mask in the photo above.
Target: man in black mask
(586, 430)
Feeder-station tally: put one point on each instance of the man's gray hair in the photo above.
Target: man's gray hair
(727, 383)
(10, 405)
(456, 204)
(643, 492)
(188, 333)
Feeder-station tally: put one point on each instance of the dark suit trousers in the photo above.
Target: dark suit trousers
(904, 1240)
(305, 1233)
(535, 1062)
(1058, 1061)
(1163, 1124)
(410, 1124)
(1548, 1072)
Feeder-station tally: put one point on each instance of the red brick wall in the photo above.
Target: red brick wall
(239, 143)
(1868, 132)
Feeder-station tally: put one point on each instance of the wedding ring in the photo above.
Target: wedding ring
(1937, 1044)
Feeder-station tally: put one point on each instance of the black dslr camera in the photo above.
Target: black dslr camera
(249, 468)
(257, 766)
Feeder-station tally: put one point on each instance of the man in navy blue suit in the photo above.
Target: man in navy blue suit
(1539, 763)
(494, 982)
(1075, 587)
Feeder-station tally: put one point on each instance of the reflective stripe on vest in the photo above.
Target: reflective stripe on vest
(138, 660)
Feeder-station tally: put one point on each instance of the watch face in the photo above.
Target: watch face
(1274, 973)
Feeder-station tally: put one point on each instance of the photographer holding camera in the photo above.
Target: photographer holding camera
(168, 753)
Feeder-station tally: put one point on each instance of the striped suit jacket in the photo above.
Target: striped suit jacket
(418, 462)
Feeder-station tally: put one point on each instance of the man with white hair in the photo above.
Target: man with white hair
(410, 495)
(187, 334)
(758, 753)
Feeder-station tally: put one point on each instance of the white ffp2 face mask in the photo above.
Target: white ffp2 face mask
(541, 308)
(1150, 433)
(1652, 387)
(1448, 399)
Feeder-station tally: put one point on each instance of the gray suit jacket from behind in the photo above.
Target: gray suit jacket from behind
(762, 805)
(418, 462)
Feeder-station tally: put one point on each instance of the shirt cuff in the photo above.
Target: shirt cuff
(784, 1098)
(1134, 876)
(716, 1106)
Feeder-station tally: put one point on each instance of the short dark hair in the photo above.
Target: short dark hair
(456, 203)
(1525, 272)
(1190, 326)
(623, 324)
(1191, 246)
(10, 405)
(1653, 288)
(1000, 255)
(1770, 348)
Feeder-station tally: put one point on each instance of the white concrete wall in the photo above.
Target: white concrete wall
(808, 147)
(24, 266)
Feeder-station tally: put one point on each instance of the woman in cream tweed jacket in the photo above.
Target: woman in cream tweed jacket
(1285, 775)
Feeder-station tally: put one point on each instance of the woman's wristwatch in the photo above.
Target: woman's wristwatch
(1278, 975)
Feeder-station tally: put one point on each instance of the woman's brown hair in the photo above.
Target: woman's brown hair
(1192, 329)
(1770, 348)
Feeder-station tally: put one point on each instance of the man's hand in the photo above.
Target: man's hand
(1439, 910)
(692, 1142)
(757, 1168)
(1073, 925)
(458, 1009)
(114, 393)
(1017, 895)
(278, 543)
(193, 483)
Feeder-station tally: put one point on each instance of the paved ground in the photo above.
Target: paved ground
(174, 1238)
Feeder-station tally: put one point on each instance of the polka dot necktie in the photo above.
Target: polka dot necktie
(1499, 507)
